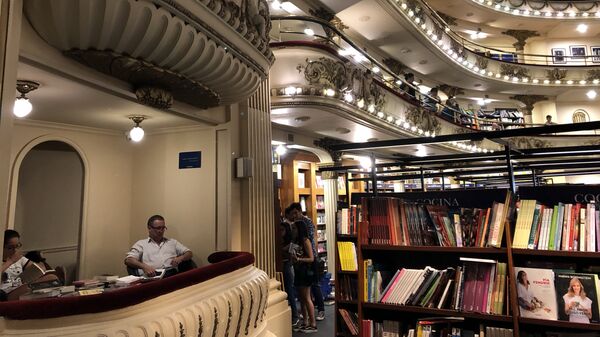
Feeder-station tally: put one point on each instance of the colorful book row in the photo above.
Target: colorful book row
(479, 285)
(391, 221)
(348, 220)
(567, 227)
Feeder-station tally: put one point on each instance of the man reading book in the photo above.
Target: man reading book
(156, 251)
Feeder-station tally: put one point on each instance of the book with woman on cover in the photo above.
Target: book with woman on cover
(536, 294)
(576, 295)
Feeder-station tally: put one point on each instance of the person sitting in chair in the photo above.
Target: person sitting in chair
(156, 251)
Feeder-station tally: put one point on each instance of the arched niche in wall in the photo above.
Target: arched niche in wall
(580, 116)
(47, 202)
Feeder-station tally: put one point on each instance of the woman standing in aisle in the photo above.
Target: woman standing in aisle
(305, 275)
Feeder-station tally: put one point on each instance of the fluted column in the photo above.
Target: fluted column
(331, 197)
(10, 32)
(258, 223)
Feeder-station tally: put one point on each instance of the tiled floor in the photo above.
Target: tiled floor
(326, 327)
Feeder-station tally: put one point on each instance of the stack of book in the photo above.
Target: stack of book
(348, 220)
(479, 285)
(430, 327)
(569, 227)
(348, 288)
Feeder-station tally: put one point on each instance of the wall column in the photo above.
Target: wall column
(331, 198)
(10, 33)
(258, 224)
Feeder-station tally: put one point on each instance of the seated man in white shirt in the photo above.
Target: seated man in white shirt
(156, 251)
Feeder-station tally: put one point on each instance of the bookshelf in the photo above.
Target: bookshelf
(439, 256)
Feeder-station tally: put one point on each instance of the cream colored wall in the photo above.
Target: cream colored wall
(587, 179)
(48, 207)
(565, 111)
(107, 208)
(544, 47)
(543, 109)
(185, 197)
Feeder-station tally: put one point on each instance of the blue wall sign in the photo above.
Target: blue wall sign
(191, 159)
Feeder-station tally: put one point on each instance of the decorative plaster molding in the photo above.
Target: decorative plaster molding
(449, 20)
(451, 90)
(186, 41)
(512, 70)
(528, 143)
(394, 65)
(423, 119)
(326, 143)
(557, 74)
(343, 77)
(521, 36)
(223, 306)
(529, 101)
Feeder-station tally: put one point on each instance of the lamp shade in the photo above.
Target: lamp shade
(136, 134)
(22, 107)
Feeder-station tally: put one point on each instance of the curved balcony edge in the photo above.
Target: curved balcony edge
(228, 297)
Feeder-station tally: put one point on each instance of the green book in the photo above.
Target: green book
(536, 217)
(553, 229)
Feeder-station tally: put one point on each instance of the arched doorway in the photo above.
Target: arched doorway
(48, 208)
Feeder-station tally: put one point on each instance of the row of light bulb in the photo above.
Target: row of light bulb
(474, 68)
(348, 97)
(527, 12)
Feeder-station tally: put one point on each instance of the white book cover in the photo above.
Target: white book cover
(591, 227)
(536, 295)
(416, 277)
(550, 210)
(582, 229)
(399, 287)
(415, 285)
(543, 224)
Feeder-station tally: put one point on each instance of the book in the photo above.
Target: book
(536, 293)
(577, 296)
(301, 180)
(33, 272)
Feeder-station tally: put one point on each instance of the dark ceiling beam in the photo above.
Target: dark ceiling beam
(473, 136)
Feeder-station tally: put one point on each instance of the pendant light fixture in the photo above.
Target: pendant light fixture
(22, 105)
(136, 133)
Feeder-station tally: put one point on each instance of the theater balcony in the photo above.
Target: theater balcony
(226, 298)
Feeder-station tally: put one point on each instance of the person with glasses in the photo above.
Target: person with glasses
(13, 263)
(156, 251)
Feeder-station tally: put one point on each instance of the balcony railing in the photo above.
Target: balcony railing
(487, 63)
(313, 32)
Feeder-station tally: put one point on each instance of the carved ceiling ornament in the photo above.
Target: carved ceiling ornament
(528, 143)
(155, 97)
(450, 20)
(183, 48)
(593, 74)
(481, 62)
(326, 143)
(521, 36)
(593, 142)
(423, 119)
(529, 101)
(556, 74)
(144, 74)
(394, 65)
(451, 90)
(513, 70)
(327, 73)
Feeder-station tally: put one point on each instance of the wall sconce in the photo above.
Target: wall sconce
(136, 133)
(22, 105)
